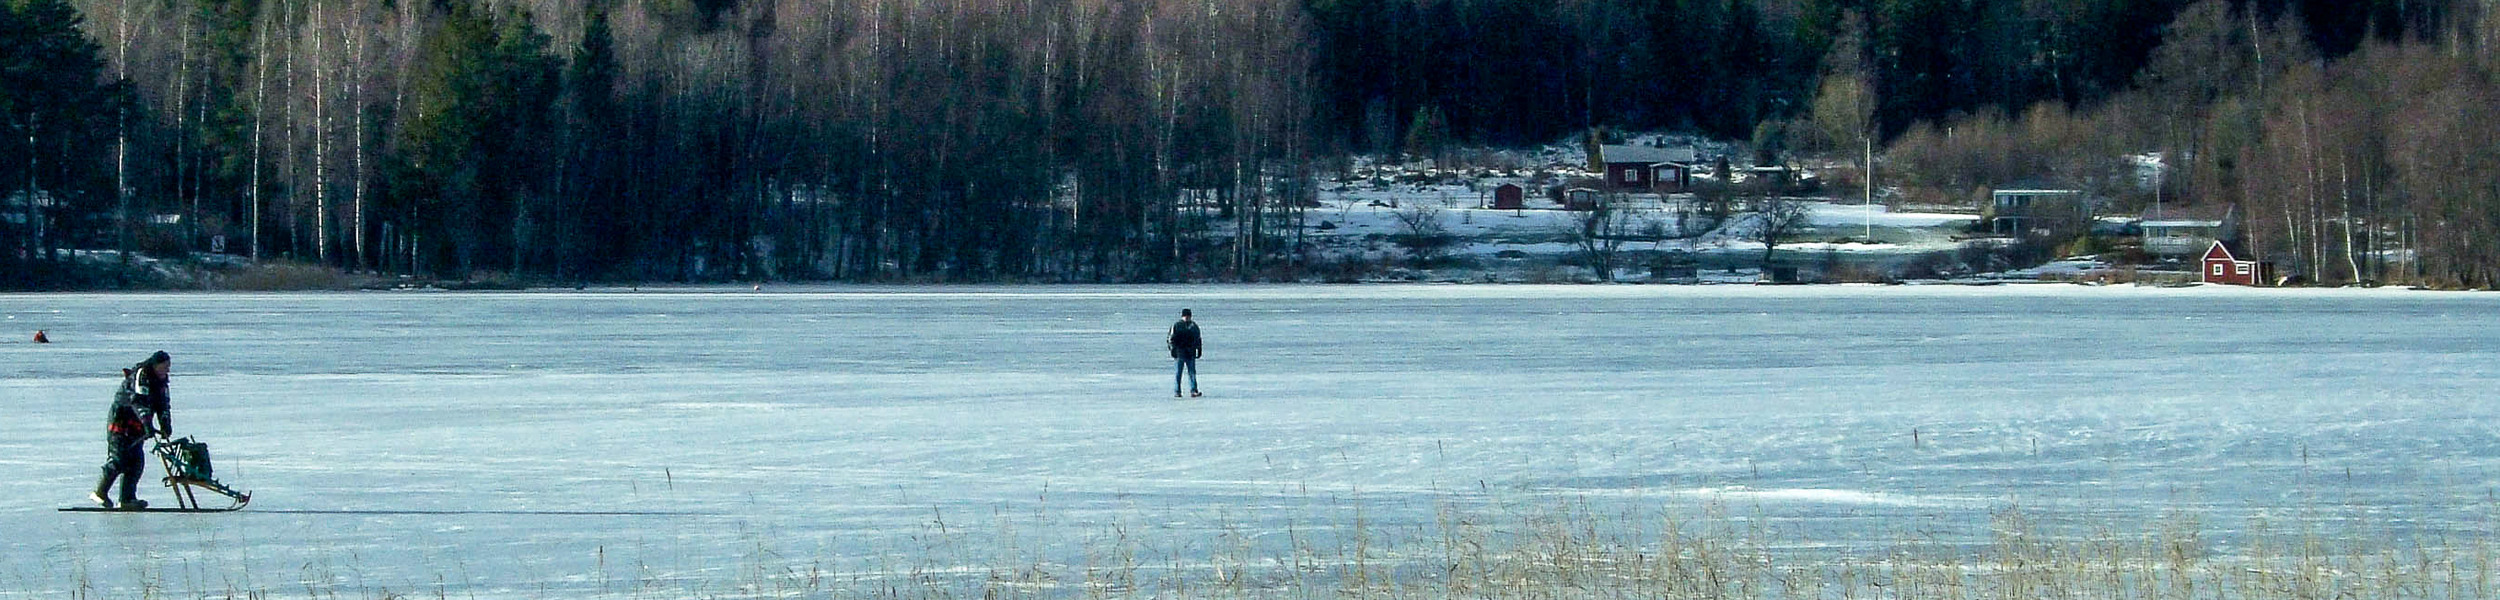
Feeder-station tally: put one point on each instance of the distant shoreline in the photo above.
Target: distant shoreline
(1000, 287)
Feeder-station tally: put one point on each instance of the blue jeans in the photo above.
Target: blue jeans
(1184, 365)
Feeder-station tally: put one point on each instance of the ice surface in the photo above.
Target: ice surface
(556, 444)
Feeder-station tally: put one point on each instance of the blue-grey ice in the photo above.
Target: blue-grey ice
(566, 444)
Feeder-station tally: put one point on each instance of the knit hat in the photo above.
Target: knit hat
(160, 357)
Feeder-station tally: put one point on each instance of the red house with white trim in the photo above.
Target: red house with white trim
(2223, 265)
(1648, 167)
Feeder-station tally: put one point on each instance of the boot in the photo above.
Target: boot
(100, 486)
(130, 493)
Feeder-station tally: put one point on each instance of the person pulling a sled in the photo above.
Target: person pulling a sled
(1186, 348)
(142, 408)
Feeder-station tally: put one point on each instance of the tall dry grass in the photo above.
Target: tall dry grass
(1465, 549)
(282, 276)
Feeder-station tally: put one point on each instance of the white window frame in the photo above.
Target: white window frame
(2242, 268)
(1631, 175)
(2217, 269)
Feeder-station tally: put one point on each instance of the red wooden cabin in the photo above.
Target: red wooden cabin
(2223, 265)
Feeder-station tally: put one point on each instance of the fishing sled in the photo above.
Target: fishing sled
(187, 471)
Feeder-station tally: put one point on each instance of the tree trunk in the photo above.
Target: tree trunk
(260, 102)
(34, 217)
(2352, 260)
(356, 128)
(186, 195)
(291, 160)
(321, 141)
(121, 135)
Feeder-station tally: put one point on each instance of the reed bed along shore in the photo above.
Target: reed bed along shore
(1545, 549)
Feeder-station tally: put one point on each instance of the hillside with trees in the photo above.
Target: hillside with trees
(1164, 140)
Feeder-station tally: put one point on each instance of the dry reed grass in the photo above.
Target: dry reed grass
(1468, 549)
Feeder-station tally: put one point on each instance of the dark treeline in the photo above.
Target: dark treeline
(671, 140)
(1089, 140)
(1512, 72)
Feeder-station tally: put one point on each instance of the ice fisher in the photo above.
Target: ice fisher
(1186, 348)
(142, 408)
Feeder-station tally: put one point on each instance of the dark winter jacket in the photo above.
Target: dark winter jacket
(1184, 340)
(142, 398)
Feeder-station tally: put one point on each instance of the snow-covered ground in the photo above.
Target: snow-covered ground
(1358, 218)
(1461, 212)
(575, 444)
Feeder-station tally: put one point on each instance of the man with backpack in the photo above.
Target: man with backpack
(142, 408)
(1186, 349)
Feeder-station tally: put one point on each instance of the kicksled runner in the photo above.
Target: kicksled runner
(187, 471)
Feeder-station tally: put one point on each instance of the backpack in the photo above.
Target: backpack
(188, 458)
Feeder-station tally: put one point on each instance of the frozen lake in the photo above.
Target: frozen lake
(674, 443)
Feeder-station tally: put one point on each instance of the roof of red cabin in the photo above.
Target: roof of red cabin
(2226, 250)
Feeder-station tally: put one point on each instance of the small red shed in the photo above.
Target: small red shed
(1510, 196)
(2223, 265)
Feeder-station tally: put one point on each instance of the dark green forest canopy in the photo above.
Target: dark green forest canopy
(1532, 71)
(56, 109)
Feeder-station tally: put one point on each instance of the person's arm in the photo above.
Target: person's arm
(160, 402)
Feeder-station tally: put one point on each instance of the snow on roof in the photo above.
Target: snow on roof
(2182, 223)
(1648, 155)
(2202, 215)
(2036, 191)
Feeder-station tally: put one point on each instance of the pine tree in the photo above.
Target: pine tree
(468, 158)
(56, 114)
(597, 219)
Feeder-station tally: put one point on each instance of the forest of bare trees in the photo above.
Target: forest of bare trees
(1161, 140)
(670, 140)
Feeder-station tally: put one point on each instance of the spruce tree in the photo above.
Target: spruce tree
(56, 111)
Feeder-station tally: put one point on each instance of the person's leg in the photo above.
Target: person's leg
(130, 490)
(103, 487)
(1178, 365)
(130, 467)
(1193, 374)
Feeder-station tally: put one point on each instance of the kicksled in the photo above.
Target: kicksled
(189, 472)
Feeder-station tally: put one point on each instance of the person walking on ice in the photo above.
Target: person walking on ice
(140, 409)
(1186, 348)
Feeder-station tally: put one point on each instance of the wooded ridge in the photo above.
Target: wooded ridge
(1168, 140)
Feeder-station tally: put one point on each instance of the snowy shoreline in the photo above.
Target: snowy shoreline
(2009, 286)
